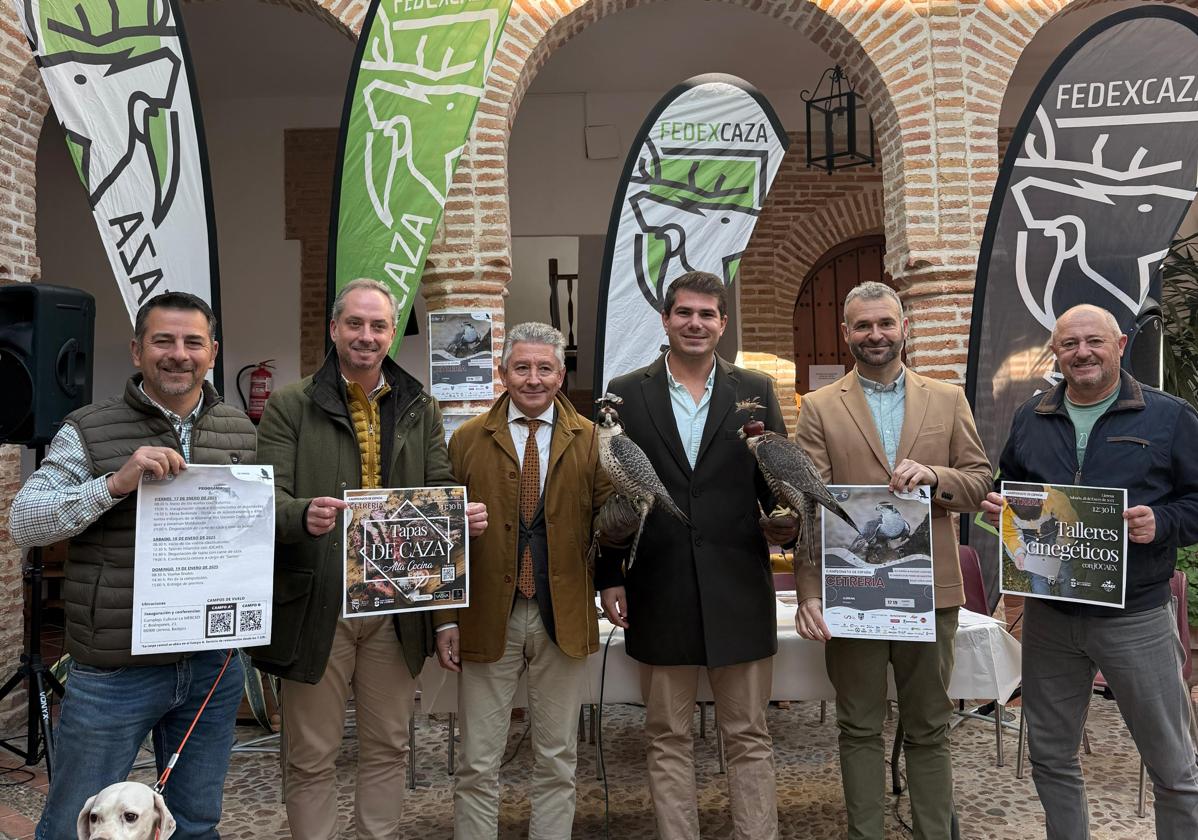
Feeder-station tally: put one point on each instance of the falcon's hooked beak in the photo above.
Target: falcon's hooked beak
(608, 416)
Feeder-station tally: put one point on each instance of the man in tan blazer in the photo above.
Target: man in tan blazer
(534, 461)
(885, 424)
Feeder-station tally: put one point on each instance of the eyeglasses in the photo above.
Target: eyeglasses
(1071, 345)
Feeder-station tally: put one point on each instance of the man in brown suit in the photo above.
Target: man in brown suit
(534, 461)
(885, 424)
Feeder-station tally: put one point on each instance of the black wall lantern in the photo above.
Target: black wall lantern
(840, 130)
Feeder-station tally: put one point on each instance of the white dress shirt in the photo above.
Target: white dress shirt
(519, 433)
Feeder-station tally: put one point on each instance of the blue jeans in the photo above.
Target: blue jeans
(105, 717)
(1041, 585)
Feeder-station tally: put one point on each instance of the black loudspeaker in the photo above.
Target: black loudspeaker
(1145, 345)
(46, 336)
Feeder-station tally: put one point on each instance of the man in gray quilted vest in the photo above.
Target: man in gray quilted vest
(86, 491)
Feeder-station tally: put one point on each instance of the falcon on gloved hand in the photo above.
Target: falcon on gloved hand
(793, 479)
(631, 473)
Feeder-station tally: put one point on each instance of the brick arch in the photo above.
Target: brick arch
(23, 107)
(769, 345)
(1001, 35)
(471, 263)
(846, 218)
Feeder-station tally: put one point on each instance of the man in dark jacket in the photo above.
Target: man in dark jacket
(1101, 427)
(701, 598)
(359, 422)
(86, 491)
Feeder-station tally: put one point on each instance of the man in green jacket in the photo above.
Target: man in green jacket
(359, 422)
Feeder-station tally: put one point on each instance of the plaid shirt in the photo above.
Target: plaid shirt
(62, 498)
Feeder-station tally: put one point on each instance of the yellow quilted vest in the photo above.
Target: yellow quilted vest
(364, 414)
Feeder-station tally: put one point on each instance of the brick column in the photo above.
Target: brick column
(23, 107)
(469, 264)
(939, 303)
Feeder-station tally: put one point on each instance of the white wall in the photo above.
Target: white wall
(260, 300)
(528, 293)
(554, 189)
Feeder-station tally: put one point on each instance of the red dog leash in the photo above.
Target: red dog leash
(170, 765)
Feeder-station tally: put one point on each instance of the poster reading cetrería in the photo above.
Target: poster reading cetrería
(878, 583)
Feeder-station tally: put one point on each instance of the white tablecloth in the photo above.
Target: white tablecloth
(987, 667)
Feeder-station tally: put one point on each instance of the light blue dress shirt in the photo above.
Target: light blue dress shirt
(689, 416)
(887, 403)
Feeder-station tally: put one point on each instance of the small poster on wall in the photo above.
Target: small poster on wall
(460, 355)
(453, 421)
(820, 375)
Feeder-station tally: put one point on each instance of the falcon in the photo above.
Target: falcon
(889, 525)
(887, 530)
(630, 470)
(793, 479)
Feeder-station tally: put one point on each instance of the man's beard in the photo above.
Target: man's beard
(895, 349)
(175, 388)
(1103, 378)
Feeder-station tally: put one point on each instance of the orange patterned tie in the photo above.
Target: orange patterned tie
(530, 494)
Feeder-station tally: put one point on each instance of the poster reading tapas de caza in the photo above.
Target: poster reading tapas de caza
(406, 549)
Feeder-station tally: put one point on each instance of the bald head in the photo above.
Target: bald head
(1087, 309)
(1088, 345)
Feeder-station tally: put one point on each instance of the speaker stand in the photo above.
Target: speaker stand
(39, 729)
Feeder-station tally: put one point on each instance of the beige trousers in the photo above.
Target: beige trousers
(367, 661)
(556, 684)
(742, 693)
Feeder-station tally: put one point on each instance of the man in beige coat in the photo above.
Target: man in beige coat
(885, 424)
(534, 461)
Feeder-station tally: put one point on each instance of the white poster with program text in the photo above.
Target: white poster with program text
(203, 569)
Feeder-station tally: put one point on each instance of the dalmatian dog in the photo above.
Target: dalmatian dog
(125, 811)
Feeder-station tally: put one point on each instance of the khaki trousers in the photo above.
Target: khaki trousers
(367, 661)
(742, 693)
(922, 670)
(556, 684)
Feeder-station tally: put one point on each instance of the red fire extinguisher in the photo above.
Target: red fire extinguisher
(261, 384)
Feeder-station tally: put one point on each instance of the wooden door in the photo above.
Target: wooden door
(819, 308)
